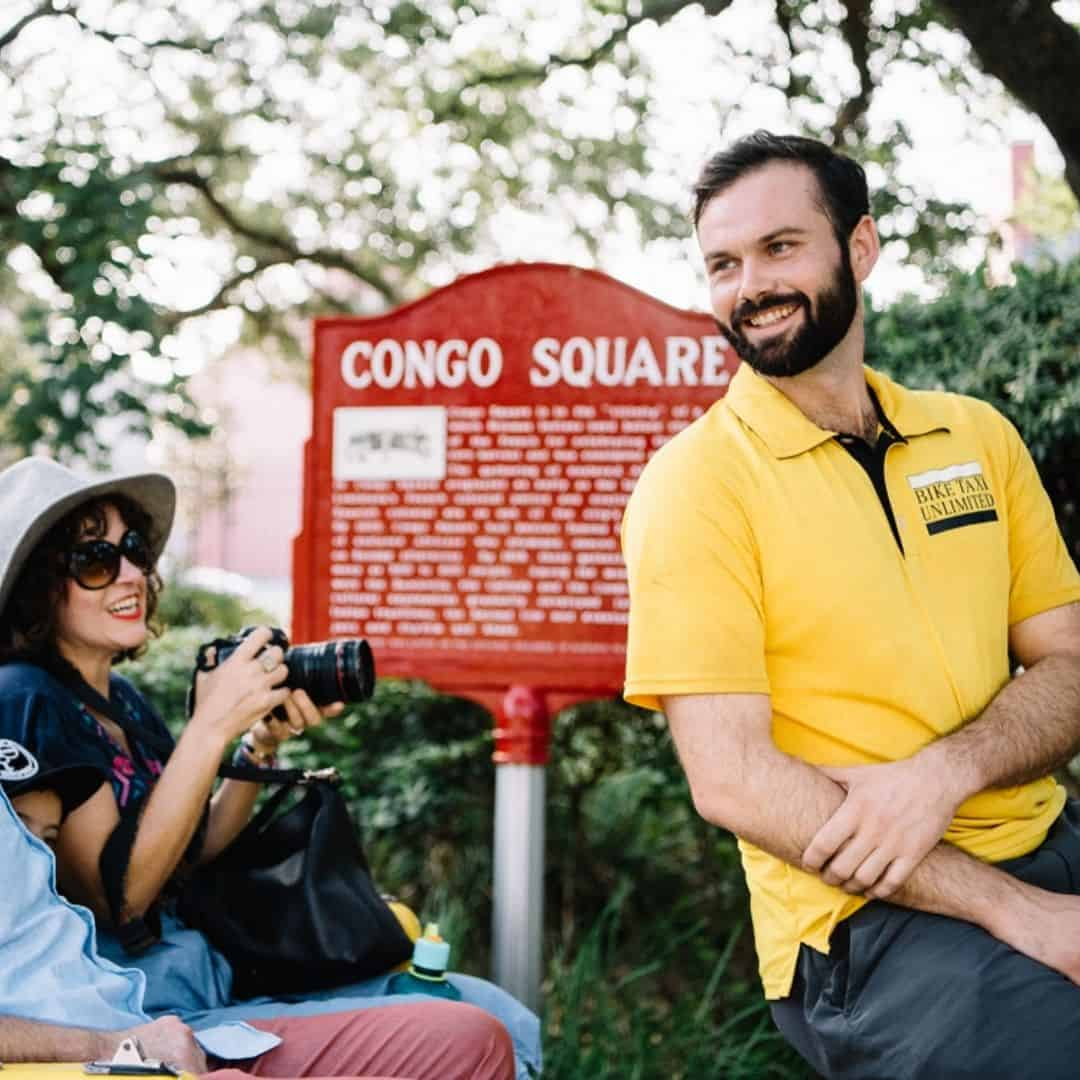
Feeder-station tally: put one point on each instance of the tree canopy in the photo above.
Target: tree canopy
(176, 175)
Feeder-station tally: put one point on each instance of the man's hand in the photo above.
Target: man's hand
(891, 817)
(167, 1039)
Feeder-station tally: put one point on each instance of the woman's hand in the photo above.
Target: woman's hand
(248, 686)
(300, 714)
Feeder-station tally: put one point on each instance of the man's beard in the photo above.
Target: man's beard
(792, 354)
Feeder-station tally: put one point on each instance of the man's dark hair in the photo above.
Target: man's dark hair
(841, 181)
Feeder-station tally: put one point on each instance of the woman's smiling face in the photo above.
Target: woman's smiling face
(94, 625)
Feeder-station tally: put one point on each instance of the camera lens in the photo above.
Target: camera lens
(332, 670)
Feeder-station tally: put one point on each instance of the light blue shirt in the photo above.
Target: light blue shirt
(49, 967)
(50, 970)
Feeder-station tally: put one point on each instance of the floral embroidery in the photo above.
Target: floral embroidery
(122, 770)
(131, 776)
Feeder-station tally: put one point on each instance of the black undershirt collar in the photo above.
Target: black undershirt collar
(872, 459)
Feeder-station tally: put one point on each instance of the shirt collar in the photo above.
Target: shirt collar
(787, 432)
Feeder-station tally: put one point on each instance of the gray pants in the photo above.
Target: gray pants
(908, 996)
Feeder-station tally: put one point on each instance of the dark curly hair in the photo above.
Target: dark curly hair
(28, 621)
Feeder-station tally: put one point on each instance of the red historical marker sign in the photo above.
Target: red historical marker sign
(470, 458)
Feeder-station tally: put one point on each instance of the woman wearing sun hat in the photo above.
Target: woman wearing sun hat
(78, 587)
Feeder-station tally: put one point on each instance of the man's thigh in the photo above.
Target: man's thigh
(909, 995)
(925, 996)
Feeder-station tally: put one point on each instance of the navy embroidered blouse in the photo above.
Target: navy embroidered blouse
(39, 712)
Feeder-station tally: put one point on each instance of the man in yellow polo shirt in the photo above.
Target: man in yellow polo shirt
(831, 577)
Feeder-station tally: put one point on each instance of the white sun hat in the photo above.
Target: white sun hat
(36, 492)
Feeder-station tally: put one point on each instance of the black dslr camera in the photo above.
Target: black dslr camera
(328, 670)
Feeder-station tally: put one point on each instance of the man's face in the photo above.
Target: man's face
(781, 285)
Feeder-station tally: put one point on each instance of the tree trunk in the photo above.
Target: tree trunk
(1036, 54)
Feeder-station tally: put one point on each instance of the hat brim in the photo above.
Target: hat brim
(154, 492)
(74, 784)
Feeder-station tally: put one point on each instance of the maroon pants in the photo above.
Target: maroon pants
(442, 1040)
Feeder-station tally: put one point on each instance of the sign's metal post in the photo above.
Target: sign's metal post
(522, 737)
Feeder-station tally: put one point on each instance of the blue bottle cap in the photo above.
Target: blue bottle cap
(430, 952)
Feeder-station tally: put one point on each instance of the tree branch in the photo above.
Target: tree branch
(9, 35)
(786, 23)
(329, 302)
(797, 86)
(1036, 54)
(659, 12)
(190, 45)
(174, 318)
(274, 240)
(855, 28)
(48, 8)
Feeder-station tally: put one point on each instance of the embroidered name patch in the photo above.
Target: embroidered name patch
(953, 497)
(16, 762)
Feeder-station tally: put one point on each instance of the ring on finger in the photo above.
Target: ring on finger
(268, 662)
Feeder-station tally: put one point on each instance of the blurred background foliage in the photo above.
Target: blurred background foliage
(175, 178)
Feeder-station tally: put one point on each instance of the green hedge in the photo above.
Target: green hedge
(1016, 346)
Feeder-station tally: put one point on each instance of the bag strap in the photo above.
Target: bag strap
(291, 777)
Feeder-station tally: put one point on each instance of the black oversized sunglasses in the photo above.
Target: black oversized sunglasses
(96, 563)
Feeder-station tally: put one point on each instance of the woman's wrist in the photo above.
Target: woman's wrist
(207, 733)
(248, 753)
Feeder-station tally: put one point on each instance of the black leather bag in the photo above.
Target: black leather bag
(290, 902)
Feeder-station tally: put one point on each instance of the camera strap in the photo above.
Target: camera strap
(72, 678)
(134, 934)
(202, 663)
(136, 733)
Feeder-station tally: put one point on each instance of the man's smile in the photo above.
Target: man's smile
(770, 316)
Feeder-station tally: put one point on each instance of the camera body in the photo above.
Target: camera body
(327, 671)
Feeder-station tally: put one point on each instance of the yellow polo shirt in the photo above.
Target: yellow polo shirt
(761, 560)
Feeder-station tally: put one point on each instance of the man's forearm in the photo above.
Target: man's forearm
(1031, 728)
(785, 802)
(742, 781)
(28, 1040)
